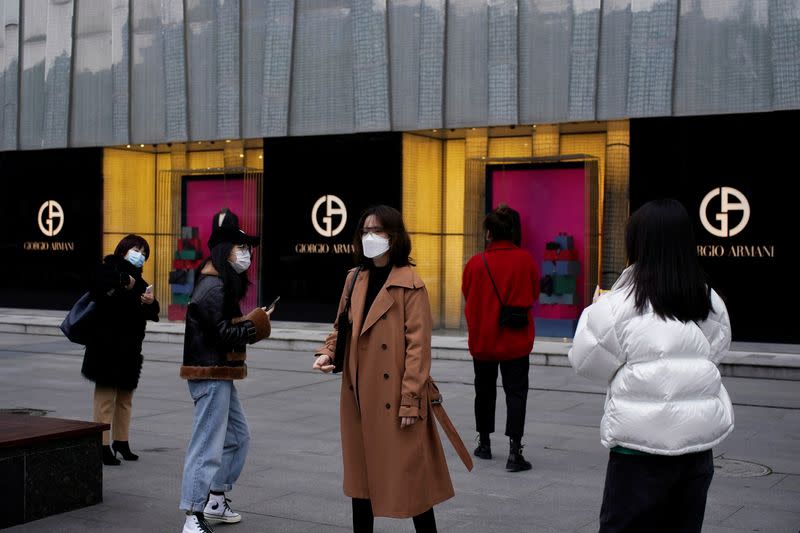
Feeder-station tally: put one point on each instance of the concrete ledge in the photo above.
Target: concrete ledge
(754, 361)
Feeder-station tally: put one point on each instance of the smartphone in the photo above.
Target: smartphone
(272, 305)
(149, 289)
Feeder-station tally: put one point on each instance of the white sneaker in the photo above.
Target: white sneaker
(218, 510)
(196, 524)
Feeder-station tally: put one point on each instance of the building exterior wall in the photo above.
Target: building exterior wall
(146, 71)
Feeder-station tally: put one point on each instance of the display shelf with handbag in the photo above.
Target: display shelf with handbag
(558, 302)
(188, 257)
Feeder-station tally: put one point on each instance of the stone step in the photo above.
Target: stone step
(744, 360)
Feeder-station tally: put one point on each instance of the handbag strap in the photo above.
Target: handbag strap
(352, 286)
(492, 279)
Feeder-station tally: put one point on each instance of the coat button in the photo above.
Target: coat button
(383, 317)
(388, 406)
(351, 387)
(385, 376)
(384, 347)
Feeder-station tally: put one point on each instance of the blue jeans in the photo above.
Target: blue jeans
(218, 447)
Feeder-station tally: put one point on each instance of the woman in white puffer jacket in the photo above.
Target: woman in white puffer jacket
(655, 340)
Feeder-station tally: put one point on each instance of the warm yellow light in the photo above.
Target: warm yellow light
(261, 157)
(434, 131)
(141, 146)
(227, 140)
(127, 146)
(241, 155)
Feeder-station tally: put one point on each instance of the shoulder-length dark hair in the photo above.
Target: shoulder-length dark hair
(132, 241)
(665, 269)
(399, 240)
(234, 285)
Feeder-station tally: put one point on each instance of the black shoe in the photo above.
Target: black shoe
(123, 448)
(517, 463)
(108, 457)
(484, 450)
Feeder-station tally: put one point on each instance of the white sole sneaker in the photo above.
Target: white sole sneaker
(218, 518)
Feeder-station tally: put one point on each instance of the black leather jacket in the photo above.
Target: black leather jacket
(214, 343)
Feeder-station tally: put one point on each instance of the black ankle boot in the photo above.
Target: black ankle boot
(484, 449)
(124, 449)
(516, 462)
(108, 457)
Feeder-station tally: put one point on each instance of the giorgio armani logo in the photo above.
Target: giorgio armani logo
(731, 200)
(334, 216)
(51, 218)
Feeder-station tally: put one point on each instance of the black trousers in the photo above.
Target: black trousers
(363, 518)
(515, 385)
(656, 493)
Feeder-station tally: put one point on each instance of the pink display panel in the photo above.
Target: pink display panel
(550, 201)
(203, 197)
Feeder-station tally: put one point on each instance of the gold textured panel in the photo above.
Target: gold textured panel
(454, 266)
(206, 159)
(453, 252)
(422, 184)
(546, 140)
(510, 147)
(129, 200)
(254, 158)
(426, 251)
(422, 210)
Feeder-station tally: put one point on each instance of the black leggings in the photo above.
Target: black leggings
(363, 518)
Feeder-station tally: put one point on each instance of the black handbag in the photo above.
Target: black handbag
(178, 277)
(344, 327)
(78, 326)
(511, 317)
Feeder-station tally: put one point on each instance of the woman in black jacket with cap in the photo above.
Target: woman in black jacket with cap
(113, 357)
(213, 356)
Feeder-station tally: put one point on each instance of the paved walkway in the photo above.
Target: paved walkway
(292, 480)
(774, 361)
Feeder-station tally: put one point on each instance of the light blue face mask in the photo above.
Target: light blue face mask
(135, 258)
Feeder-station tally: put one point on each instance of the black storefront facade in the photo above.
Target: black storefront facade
(737, 168)
(737, 178)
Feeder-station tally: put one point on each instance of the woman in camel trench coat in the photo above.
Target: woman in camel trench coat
(394, 465)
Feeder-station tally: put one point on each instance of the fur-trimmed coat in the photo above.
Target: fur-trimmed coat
(113, 356)
(215, 339)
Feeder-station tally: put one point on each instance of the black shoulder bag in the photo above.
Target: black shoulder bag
(344, 327)
(510, 317)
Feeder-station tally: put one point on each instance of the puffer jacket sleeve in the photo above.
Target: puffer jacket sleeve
(596, 353)
(717, 329)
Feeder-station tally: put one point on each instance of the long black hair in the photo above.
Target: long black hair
(234, 285)
(665, 269)
(399, 240)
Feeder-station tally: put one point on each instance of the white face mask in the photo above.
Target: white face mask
(242, 261)
(374, 245)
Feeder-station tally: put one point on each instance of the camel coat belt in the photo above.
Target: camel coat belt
(386, 376)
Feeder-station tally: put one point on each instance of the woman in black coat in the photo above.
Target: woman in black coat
(113, 358)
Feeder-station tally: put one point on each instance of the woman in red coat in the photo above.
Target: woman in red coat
(516, 278)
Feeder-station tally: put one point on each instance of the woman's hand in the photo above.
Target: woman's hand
(147, 298)
(406, 421)
(323, 364)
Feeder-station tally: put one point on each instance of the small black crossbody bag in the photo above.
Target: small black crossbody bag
(510, 317)
(344, 328)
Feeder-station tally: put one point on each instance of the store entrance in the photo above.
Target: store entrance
(558, 207)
